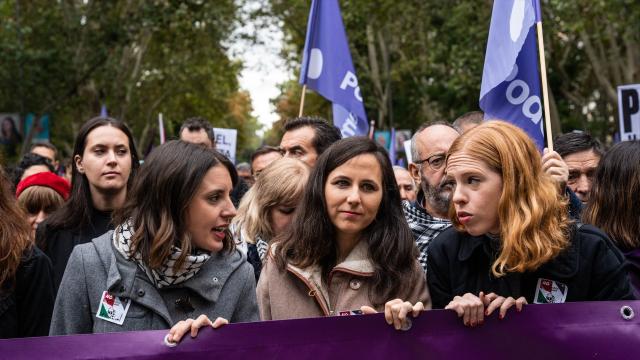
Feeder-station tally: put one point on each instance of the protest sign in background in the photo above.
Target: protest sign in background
(629, 110)
(226, 142)
(558, 331)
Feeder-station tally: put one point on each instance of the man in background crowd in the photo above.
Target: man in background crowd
(46, 150)
(244, 173)
(581, 153)
(262, 157)
(468, 121)
(198, 131)
(428, 215)
(305, 138)
(406, 184)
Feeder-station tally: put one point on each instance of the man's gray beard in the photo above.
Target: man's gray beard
(437, 197)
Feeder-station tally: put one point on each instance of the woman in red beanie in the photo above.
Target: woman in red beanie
(41, 194)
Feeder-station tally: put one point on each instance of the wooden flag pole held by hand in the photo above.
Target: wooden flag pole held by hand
(304, 91)
(545, 93)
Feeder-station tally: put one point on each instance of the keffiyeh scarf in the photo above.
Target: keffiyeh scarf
(166, 275)
(262, 247)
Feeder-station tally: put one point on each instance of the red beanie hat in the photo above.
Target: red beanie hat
(47, 179)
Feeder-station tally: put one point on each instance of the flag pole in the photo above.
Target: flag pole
(372, 128)
(304, 90)
(545, 94)
(161, 128)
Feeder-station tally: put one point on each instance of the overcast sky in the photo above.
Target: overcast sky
(264, 69)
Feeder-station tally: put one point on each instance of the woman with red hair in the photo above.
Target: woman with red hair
(512, 242)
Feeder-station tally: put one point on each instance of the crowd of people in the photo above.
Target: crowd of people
(478, 223)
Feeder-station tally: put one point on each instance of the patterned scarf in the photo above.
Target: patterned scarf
(165, 276)
(262, 246)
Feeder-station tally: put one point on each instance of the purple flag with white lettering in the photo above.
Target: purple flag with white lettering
(327, 67)
(511, 78)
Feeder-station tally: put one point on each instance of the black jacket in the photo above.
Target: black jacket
(591, 268)
(58, 243)
(26, 303)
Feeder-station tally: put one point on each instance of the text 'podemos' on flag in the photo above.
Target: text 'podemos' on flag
(511, 78)
(328, 69)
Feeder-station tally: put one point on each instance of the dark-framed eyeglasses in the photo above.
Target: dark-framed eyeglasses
(435, 161)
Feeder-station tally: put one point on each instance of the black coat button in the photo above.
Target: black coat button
(140, 292)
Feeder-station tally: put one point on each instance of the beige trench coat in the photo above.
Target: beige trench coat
(300, 293)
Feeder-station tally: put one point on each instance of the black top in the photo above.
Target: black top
(59, 243)
(591, 268)
(253, 257)
(26, 303)
(238, 192)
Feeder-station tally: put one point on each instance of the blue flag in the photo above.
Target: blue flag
(327, 67)
(511, 78)
(392, 147)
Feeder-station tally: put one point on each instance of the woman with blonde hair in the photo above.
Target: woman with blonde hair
(267, 208)
(512, 242)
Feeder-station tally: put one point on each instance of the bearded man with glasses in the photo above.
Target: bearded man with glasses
(428, 215)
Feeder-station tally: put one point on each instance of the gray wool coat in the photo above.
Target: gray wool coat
(224, 286)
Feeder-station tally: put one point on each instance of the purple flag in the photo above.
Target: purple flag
(587, 330)
(328, 69)
(511, 78)
(103, 111)
(392, 147)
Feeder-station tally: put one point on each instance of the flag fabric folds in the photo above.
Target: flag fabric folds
(392, 147)
(328, 69)
(510, 87)
(579, 330)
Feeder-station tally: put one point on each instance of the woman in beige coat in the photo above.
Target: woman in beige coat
(349, 247)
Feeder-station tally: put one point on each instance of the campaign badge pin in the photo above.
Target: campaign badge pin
(112, 308)
(350, 312)
(550, 292)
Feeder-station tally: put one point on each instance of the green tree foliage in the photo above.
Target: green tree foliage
(421, 60)
(138, 57)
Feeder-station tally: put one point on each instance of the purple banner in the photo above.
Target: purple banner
(604, 330)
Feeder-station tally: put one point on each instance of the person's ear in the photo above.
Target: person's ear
(78, 160)
(414, 171)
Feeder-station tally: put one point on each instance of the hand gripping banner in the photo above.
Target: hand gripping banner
(588, 330)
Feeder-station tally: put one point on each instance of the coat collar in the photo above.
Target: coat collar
(469, 244)
(358, 261)
(123, 275)
(565, 265)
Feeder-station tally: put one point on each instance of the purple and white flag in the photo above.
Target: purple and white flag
(328, 69)
(510, 88)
